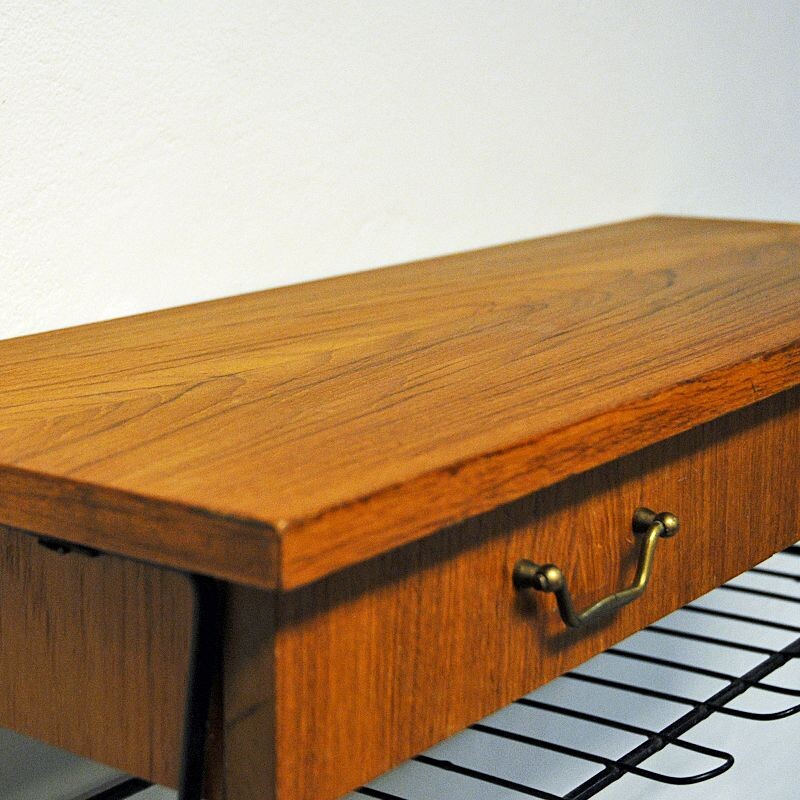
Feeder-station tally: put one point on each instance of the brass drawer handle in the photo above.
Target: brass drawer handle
(549, 578)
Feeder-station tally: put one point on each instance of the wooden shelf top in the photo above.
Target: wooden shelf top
(277, 437)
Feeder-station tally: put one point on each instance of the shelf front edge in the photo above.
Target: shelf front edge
(143, 528)
(286, 556)
(398, 515)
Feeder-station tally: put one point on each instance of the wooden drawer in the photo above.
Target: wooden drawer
(376, 663)
(94, 654)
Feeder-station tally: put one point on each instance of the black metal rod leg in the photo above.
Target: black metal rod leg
(204, 660)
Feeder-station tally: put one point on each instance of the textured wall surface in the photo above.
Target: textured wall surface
(156, 153)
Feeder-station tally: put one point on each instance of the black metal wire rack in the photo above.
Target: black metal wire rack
(632, 762)
(611, 770)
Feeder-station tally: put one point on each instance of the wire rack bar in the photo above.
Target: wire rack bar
(708, 673)
(688, 721)
(764, 623)
(495, 780)
(776, 573)
(121, 791)
(715, 640)
(368, 791)
(787, 598)
(654, 741)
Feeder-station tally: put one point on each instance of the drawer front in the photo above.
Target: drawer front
(93, 655)
(381, 661)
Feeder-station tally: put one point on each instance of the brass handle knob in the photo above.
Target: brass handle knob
(549, 578)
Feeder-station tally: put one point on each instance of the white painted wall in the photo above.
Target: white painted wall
(156, 153)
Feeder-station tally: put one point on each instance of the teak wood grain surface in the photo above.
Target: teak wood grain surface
(274, 438)
(94, 655)
(368, 667)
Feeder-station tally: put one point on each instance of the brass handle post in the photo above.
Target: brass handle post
(549, 578)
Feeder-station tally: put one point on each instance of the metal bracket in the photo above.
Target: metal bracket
(204, 659)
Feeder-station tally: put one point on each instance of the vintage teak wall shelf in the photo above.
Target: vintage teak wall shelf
(343, 488)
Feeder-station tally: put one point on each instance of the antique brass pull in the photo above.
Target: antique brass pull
(549, 578)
